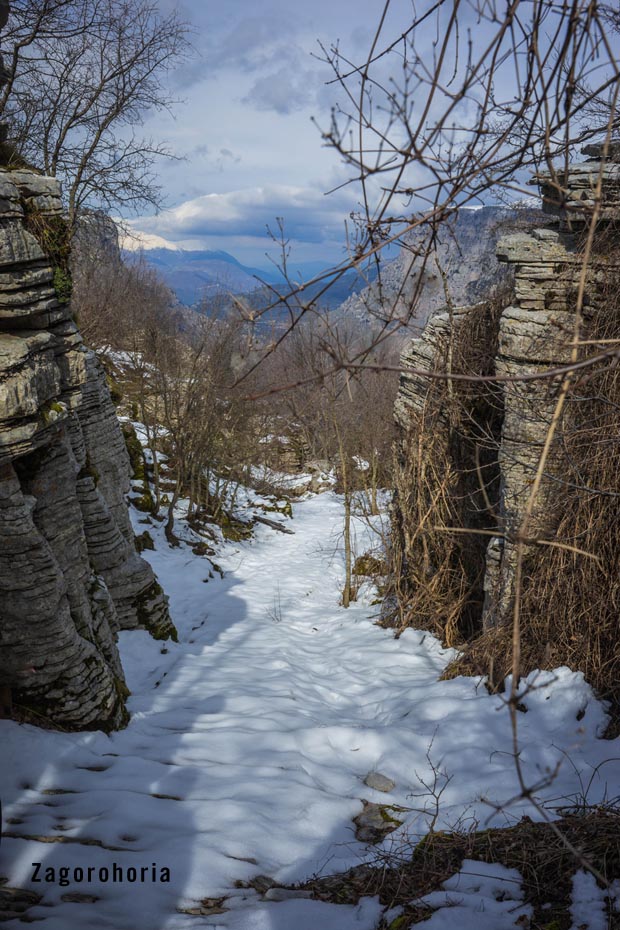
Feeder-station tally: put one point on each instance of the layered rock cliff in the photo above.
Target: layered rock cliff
(489, 486)
(70, 576)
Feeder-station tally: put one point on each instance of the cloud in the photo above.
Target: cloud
(247, 45)
(216, 159)
(308, 215)
(285, 90)
(250, 45)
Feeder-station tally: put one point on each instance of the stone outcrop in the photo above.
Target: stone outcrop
(70, 576)
(534, 334)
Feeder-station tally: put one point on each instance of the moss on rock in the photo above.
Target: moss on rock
(160, 627)
(51, 412)
(53, 234)
(135, 451)
(116, 394)
(144, 503)
(144, 541)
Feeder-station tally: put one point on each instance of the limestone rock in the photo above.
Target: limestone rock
(535, 334)
(262, 883)
(286, 894)
(571, 195)
(70, 576)
(379, 782)
(375, 822)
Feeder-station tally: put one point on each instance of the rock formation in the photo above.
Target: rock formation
(70, 576)
(533, 334)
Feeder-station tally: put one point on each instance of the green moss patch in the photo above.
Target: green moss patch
(116, 393)
(161, 628)
(53, 234)
(285, 508)
(51, 412)
(235, 530)
(144, 502)
(144, 541)
(135, 451)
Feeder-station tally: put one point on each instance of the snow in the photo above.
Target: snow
(250, 739)
(134, 240)
(588, 903)
(288, 481)
(479, 897)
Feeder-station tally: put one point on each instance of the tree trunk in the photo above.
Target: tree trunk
(344, 465)
(346, 594)
(192, 491)
(169, 527)
(156, 488)
(374, 468)
(150, 444)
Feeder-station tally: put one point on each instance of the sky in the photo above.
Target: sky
(244, 126)
(254, 97)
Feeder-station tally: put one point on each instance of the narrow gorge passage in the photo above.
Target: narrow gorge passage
(250, 740)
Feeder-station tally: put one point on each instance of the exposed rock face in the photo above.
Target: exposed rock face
(535, 333)
(427, 352)
(463, 260)
(96, 238)
(449, 436)
(70, 576)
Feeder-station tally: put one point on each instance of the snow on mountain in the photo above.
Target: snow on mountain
(136, 241)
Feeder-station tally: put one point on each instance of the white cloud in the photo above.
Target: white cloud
(308, 215)
(252, 151)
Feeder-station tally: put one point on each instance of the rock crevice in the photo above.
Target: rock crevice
(535, 333)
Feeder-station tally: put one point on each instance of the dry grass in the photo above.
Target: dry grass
(533, 849)
(447, 476)
(570, 604)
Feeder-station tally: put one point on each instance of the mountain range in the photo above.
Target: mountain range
(195, 275)
(463, 260)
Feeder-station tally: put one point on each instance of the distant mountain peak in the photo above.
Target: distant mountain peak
(136, 241)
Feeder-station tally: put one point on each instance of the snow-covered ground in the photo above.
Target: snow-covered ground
(249, 743)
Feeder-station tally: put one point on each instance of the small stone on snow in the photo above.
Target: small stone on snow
(379, 782)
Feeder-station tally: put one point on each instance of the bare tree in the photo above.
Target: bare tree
(82, 75)
(460, 105)
(114, 301)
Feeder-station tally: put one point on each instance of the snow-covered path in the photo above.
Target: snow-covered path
(250, 740)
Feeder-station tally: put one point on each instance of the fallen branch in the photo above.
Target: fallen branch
(273, 524)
